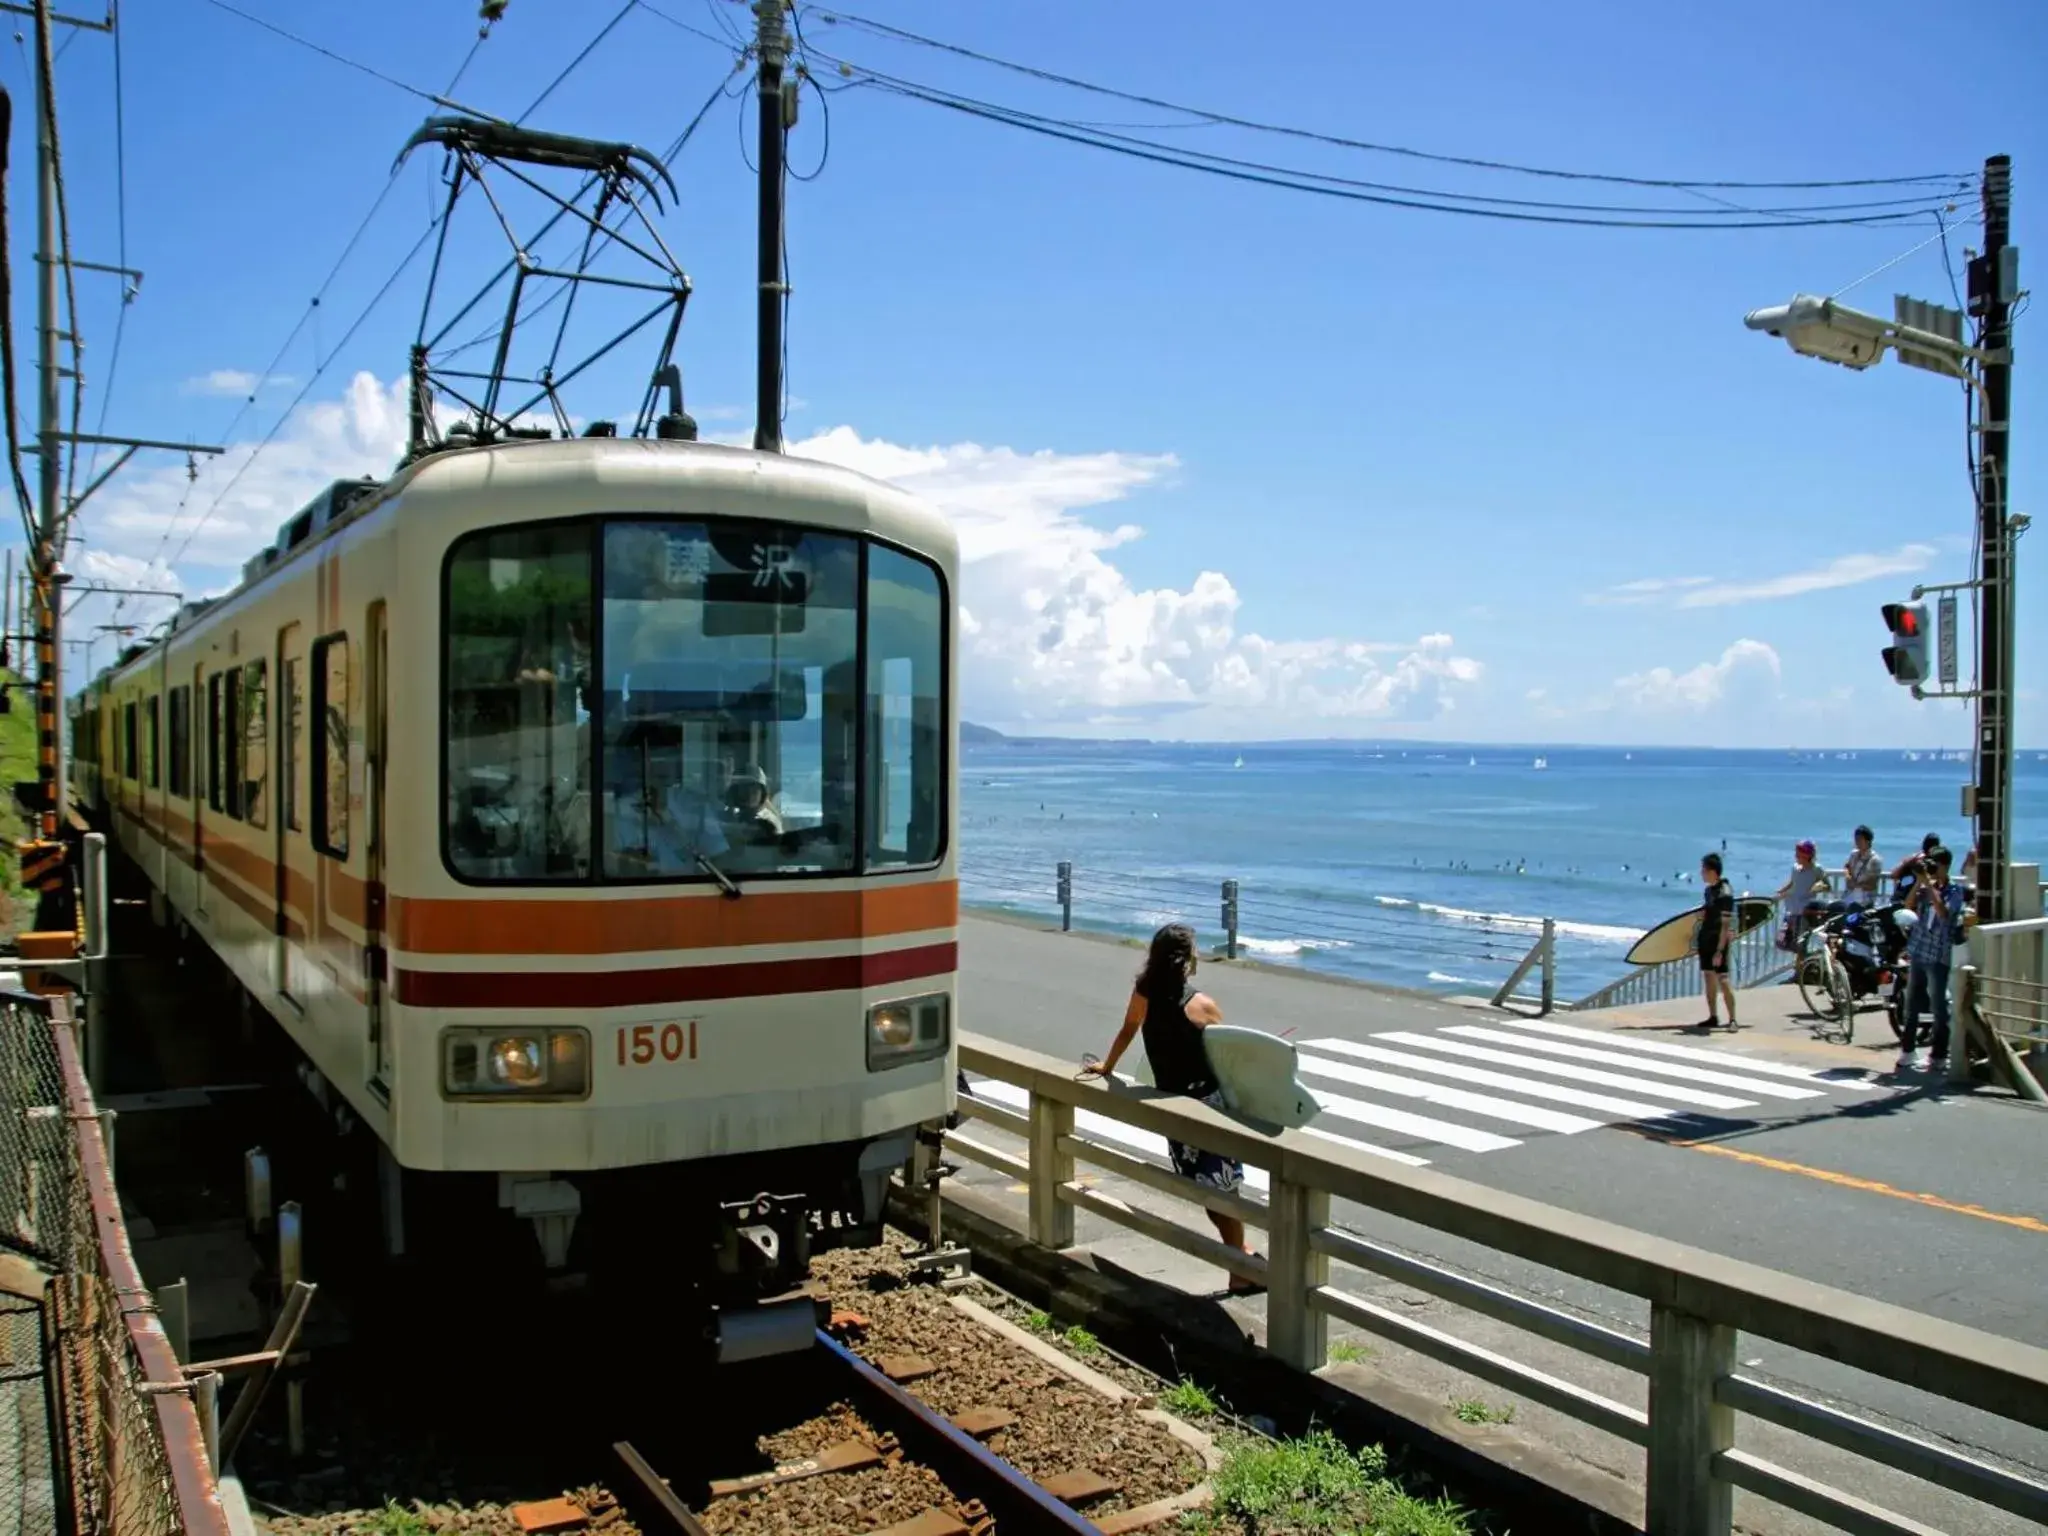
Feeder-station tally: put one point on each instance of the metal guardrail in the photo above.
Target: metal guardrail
(1754, 960)
(124, 1450)
(2004, 995)
(1699, 1302)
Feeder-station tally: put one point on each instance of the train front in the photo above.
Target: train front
(687, 984)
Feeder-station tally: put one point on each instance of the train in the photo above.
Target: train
(582, 813)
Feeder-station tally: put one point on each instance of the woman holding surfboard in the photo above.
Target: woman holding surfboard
(1172, 1014)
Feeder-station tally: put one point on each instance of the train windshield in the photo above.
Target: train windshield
(633, 700)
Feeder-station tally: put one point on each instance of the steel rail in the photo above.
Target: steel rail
(1020, 1507)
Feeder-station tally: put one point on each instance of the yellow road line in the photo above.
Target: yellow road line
(1868, 1186)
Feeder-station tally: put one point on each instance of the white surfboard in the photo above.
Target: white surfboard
(1257, 1074)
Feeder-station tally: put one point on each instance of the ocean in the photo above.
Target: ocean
(1433, 867)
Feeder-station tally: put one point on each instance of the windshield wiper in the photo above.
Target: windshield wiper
(726, 883)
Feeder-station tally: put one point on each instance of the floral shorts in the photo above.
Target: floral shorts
(1211, 1169)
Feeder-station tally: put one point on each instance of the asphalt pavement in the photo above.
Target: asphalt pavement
(1814, 1159)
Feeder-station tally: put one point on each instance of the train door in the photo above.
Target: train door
(291, 798)
(377, 689)
(205, 773)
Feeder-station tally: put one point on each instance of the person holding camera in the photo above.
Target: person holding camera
(1937, 905)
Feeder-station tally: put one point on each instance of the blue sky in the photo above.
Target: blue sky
(1227, 461)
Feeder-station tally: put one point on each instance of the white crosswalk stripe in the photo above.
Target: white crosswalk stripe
(1699, 1097)
(1746, 1064)
(1529, 1074)
(1634, 1063)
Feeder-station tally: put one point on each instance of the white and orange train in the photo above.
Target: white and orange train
(584, 812)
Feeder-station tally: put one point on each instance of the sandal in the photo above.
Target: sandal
(1241, 1287)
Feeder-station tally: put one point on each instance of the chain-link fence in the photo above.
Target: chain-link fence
(98, 1428)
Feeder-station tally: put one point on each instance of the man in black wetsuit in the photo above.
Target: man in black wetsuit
(1717, 931)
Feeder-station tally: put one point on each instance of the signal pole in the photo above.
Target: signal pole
(772, 42)
(1994, 280)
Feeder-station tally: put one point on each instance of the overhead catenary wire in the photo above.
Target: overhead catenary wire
(321, 365)
(441, 100)
(120, 240)
(1340, 141)
(1352, 189)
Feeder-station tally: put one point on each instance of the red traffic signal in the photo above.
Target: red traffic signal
(1906, 657)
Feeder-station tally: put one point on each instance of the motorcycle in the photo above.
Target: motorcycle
(1851, 953)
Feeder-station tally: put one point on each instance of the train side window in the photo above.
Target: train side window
(906, 707)
(213, 741)
(128, 740)
(255, 768)
(181, 742)
(231, 742)
(154, 740)
(330, 745)
(291, 724)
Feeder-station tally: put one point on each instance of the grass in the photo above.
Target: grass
(1081, 1341)
(1476, 1410)
(1188, 1400)
(1317, 1485)
(395, 1520)
(1346, 1352)
(1039, 1322)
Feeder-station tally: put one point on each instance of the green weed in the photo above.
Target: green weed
(1318, 1485)
(1039, 1322)
(1081, 1341)
(1475, 1410)
(1347, 1352)
(395, 1520)
(1188, 1400)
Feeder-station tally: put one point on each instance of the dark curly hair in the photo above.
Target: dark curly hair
(1170, 961)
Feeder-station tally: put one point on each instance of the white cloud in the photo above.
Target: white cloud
(234, 383)
(1653, 589)
(139, 515)
(1747, 672)
(1056, 634)
(1053, 631)
(1707, 592)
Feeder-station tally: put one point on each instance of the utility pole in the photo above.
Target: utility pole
(50, 459)
(1994, 283)
(772, 42)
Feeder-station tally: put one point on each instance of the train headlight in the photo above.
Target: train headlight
(909, 1029)
(515, 1063)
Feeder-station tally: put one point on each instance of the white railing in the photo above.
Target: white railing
(2005, 990)
(1699, 1302)
(1754, 960)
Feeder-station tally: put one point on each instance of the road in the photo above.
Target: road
(1766, 1146)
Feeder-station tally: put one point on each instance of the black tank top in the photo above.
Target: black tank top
(1173, 1045)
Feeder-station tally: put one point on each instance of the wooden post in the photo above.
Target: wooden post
(1688, 1355)
(1065, 888)
(1549, 964)
(1296, 1332)
(1052, 1220)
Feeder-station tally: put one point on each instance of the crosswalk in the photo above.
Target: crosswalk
(1492, 1086)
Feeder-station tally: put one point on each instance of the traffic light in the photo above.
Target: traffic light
(1906, 657)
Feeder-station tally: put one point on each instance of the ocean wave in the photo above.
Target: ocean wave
(1287, 946)
(1604, 933)
(1454, 981)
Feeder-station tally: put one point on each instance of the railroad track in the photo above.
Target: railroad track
(992, 1498)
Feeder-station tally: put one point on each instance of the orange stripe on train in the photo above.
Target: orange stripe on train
(460, 926)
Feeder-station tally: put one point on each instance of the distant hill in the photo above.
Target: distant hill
(979, 735)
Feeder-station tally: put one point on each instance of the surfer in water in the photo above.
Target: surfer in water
(1166, 1006)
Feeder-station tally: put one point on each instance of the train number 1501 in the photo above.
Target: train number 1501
(641, 1044)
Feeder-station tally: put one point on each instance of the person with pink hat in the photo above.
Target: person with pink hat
(1800, 894)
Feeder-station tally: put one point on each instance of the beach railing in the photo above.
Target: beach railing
(2004, 994)
(1754, 960)
(1699, 1303)
(1252, 924)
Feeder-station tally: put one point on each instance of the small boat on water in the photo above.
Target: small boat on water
(1542, 762)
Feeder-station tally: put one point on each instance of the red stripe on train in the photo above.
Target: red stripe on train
(671, 984)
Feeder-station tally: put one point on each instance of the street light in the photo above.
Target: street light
(1835, 333)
